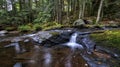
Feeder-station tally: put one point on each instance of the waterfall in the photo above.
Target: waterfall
(73, 38)
(72, 42)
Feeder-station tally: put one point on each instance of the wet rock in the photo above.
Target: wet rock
(41, 36)
(3, 32)
(57, 39)
(52, 37)
(14, 32)
(107, 52)
(1, 28)
(102, 55)
(86, 42)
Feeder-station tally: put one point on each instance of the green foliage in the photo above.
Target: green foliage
(112, 10)
(50, 25)
(44, 15)
(6, 18)
(108, 38)
(37, 26)
(3, 16)
(43, 11)
(2, 13)
(25, 28)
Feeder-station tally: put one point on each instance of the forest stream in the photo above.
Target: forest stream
(55, 48)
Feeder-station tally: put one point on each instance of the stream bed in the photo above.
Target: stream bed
(55, 48)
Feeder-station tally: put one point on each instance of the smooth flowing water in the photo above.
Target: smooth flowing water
(72, 42)
(73, 53)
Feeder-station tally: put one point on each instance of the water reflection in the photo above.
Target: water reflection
(16, 47)
(18, 65)
(47, 58)
(68, 62)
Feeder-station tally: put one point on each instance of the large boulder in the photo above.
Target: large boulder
(52, 37)
(79, 22)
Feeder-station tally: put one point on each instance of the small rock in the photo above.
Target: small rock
(3, 32)
(99, 62)
(86, 65)
(79, 22)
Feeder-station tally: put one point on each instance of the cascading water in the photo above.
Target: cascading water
(73, 38)
(72, 42)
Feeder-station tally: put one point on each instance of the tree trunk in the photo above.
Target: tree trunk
(83, 9)
(99, 11)
(68, 10)
(80, 12)
(20, 5)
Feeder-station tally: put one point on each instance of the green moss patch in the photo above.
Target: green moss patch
(108, 38)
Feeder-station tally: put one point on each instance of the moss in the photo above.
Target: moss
(10, 28)
(54, 33)
(39, 26)
(108, 38)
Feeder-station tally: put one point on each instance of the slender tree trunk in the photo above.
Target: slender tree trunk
(60, 12)
(68, 10)
(83, 9)
(5, 5)
(99, 11)
(80, 12)
(20, 5)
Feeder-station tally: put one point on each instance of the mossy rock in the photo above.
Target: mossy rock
(54, 33)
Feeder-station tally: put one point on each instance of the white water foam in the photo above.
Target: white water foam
(72, 43)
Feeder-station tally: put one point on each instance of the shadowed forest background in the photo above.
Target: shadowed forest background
(23, 14)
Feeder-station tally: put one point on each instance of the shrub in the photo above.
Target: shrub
(37, 26)
(50, 25)
(25, 28)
